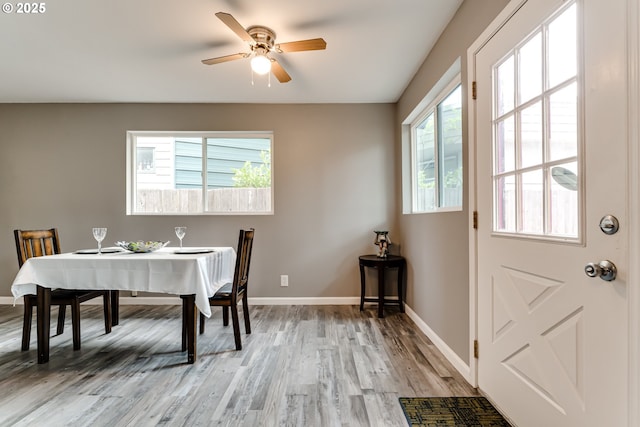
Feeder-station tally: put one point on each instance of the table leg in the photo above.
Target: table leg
(189, 323)
(380, 292)
(115, 307)
(362, 287)
(400, 279)
(44, 323)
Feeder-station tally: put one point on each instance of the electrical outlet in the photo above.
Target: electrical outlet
(284, 280)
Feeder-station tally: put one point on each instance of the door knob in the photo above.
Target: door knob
(606, 270)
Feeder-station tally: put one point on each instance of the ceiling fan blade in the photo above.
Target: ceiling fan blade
(300, 45)
(279, 72)
(235, 26)
(226, 58)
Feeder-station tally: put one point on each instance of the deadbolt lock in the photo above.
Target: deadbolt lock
(609, 224)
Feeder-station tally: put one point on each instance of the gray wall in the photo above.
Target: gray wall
(63, 165)
(437, 245)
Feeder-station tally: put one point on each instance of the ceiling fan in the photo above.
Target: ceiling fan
(262, 43)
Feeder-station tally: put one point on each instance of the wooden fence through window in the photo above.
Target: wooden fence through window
(219, 200)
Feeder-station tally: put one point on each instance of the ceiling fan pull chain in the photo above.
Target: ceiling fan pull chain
(251, 76)
(269, 85)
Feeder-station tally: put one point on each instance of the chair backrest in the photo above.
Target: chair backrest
(34, 243)
(243, 261)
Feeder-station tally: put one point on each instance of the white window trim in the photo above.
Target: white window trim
(447, 83)
(431, 109)
(131, 163)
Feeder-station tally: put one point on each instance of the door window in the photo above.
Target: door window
(536, 156)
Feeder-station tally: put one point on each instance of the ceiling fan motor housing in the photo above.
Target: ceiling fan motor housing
(264, 37)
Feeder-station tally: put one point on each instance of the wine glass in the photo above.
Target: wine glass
(180, 232)
(99, 233)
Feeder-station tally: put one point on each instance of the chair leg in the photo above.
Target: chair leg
(245, 311)
(225, 315)
(62, 314)
(202, 319)
(108, 320)
(184, 325)
(26, 325)
(75, 324)
(236, 325)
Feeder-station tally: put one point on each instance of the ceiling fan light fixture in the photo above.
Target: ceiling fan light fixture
(260, 64)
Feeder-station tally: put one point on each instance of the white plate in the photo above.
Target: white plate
(95, 251)
(193, 251)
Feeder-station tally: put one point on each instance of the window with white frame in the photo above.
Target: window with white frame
(436, 153)
(199, 173)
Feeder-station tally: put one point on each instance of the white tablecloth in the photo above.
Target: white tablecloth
(162, 271)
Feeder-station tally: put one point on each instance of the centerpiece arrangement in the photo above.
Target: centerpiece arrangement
(142, 246)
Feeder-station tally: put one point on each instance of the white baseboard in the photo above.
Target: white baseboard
(255, 301)
(305, 301)
(123, 301)
(448, 353)
(149, 300)
(252, 301)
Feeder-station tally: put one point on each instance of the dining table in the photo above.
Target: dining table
(193, 274)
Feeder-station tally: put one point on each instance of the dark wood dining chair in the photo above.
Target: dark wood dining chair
(230, 294)
(35, 243)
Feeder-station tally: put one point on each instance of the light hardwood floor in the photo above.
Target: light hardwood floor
(301, 366)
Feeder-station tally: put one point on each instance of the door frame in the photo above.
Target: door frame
(633, 196)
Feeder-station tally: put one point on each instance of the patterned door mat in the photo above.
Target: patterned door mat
(451, 411)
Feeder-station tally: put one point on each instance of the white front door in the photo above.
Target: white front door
(551, 121)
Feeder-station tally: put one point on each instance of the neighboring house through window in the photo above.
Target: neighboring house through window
(145, 159)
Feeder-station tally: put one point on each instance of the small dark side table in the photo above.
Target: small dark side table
(381, 264)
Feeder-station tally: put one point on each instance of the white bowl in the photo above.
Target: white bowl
(142, 246)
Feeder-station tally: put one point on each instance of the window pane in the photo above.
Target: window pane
(563, 123)
(505, 210)
(505, 147)
(564, 200)
(188, 163)
(562, 47)
(238, 174)
(425, 164)
(450, 153)
(156, 191)
(505, 86)
(531, 136)
(532, 202)
(436, 150)
(530, 72)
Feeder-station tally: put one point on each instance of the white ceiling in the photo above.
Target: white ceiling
(150, 50)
